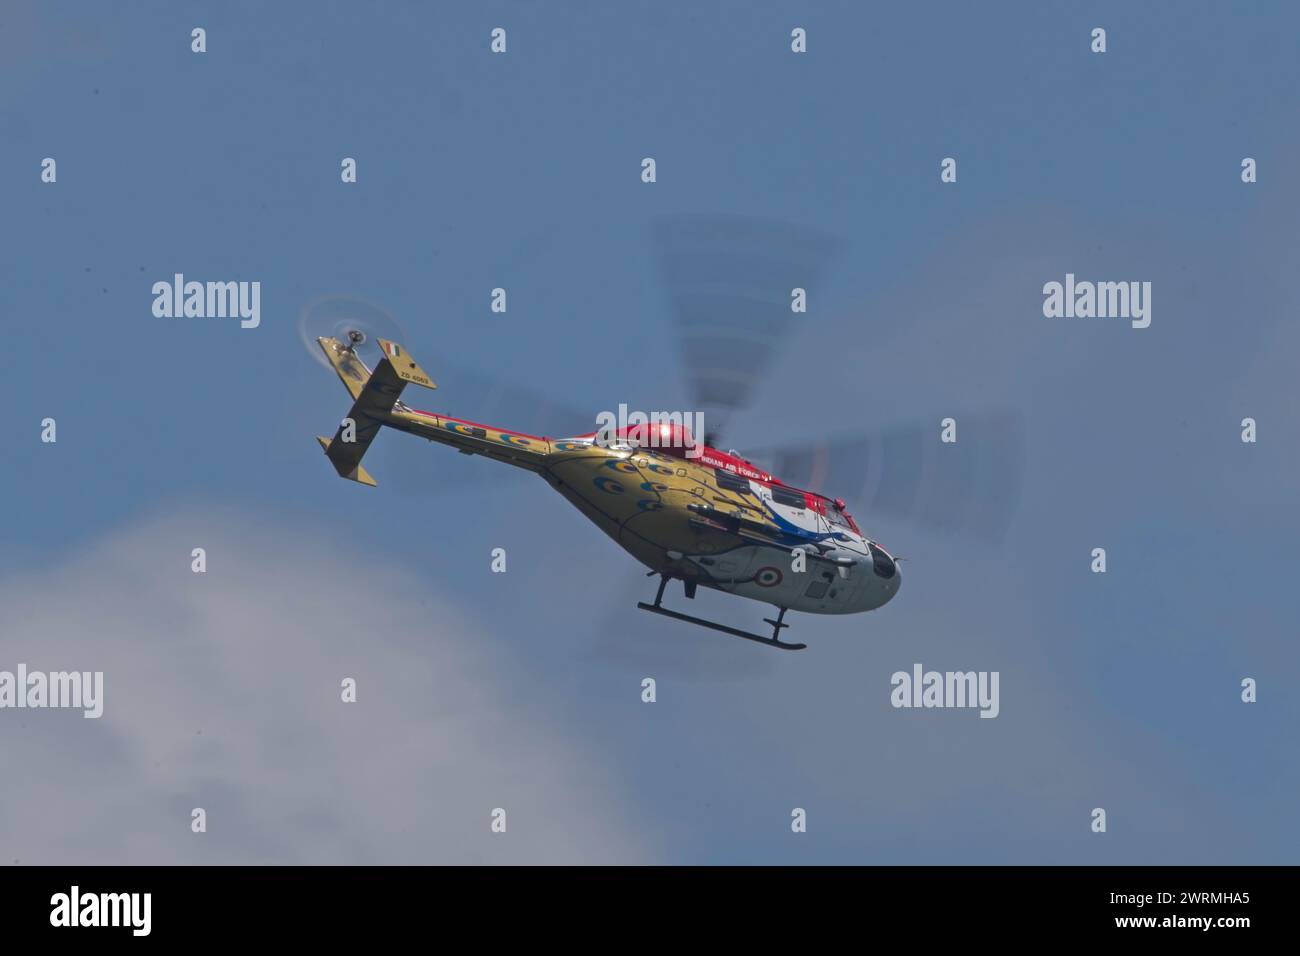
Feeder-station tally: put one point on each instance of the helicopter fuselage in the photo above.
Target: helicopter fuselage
(683, 509)
(724, 529)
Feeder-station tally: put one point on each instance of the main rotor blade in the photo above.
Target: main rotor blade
(424, 471)
(967, 487)
(729, 281)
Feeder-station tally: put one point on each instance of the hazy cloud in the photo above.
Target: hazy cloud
(222, 691)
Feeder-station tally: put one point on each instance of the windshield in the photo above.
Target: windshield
(837, 518)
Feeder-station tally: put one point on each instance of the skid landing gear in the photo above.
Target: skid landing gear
(773, 641)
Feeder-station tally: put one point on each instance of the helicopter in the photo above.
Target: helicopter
(730, 326)
(685, 510)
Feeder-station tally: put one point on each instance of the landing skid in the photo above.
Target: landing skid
(773, 641)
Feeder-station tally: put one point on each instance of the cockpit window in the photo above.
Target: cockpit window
(836, 517)
(791, 499)
(729, 482)
(882, 563)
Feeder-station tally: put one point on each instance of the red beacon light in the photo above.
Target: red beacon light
(668, 437)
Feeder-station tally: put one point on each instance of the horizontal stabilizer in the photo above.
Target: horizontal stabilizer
(403, 365)
(346, 364)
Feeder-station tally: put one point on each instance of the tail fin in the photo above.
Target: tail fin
(373, 394)
(357, 474)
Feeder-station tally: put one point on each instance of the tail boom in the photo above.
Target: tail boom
(376, 403)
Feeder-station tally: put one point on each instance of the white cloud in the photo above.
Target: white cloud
(222, 690)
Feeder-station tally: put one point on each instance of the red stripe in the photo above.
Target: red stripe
(466, 421)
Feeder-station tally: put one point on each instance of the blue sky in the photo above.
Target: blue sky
(522, 171)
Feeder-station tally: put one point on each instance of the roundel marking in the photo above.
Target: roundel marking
(660, 469)
(653, 486)
(649, 504)
(768, 577)
(620, 465)
(608, 485)
(514, 440)
(569, 445)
